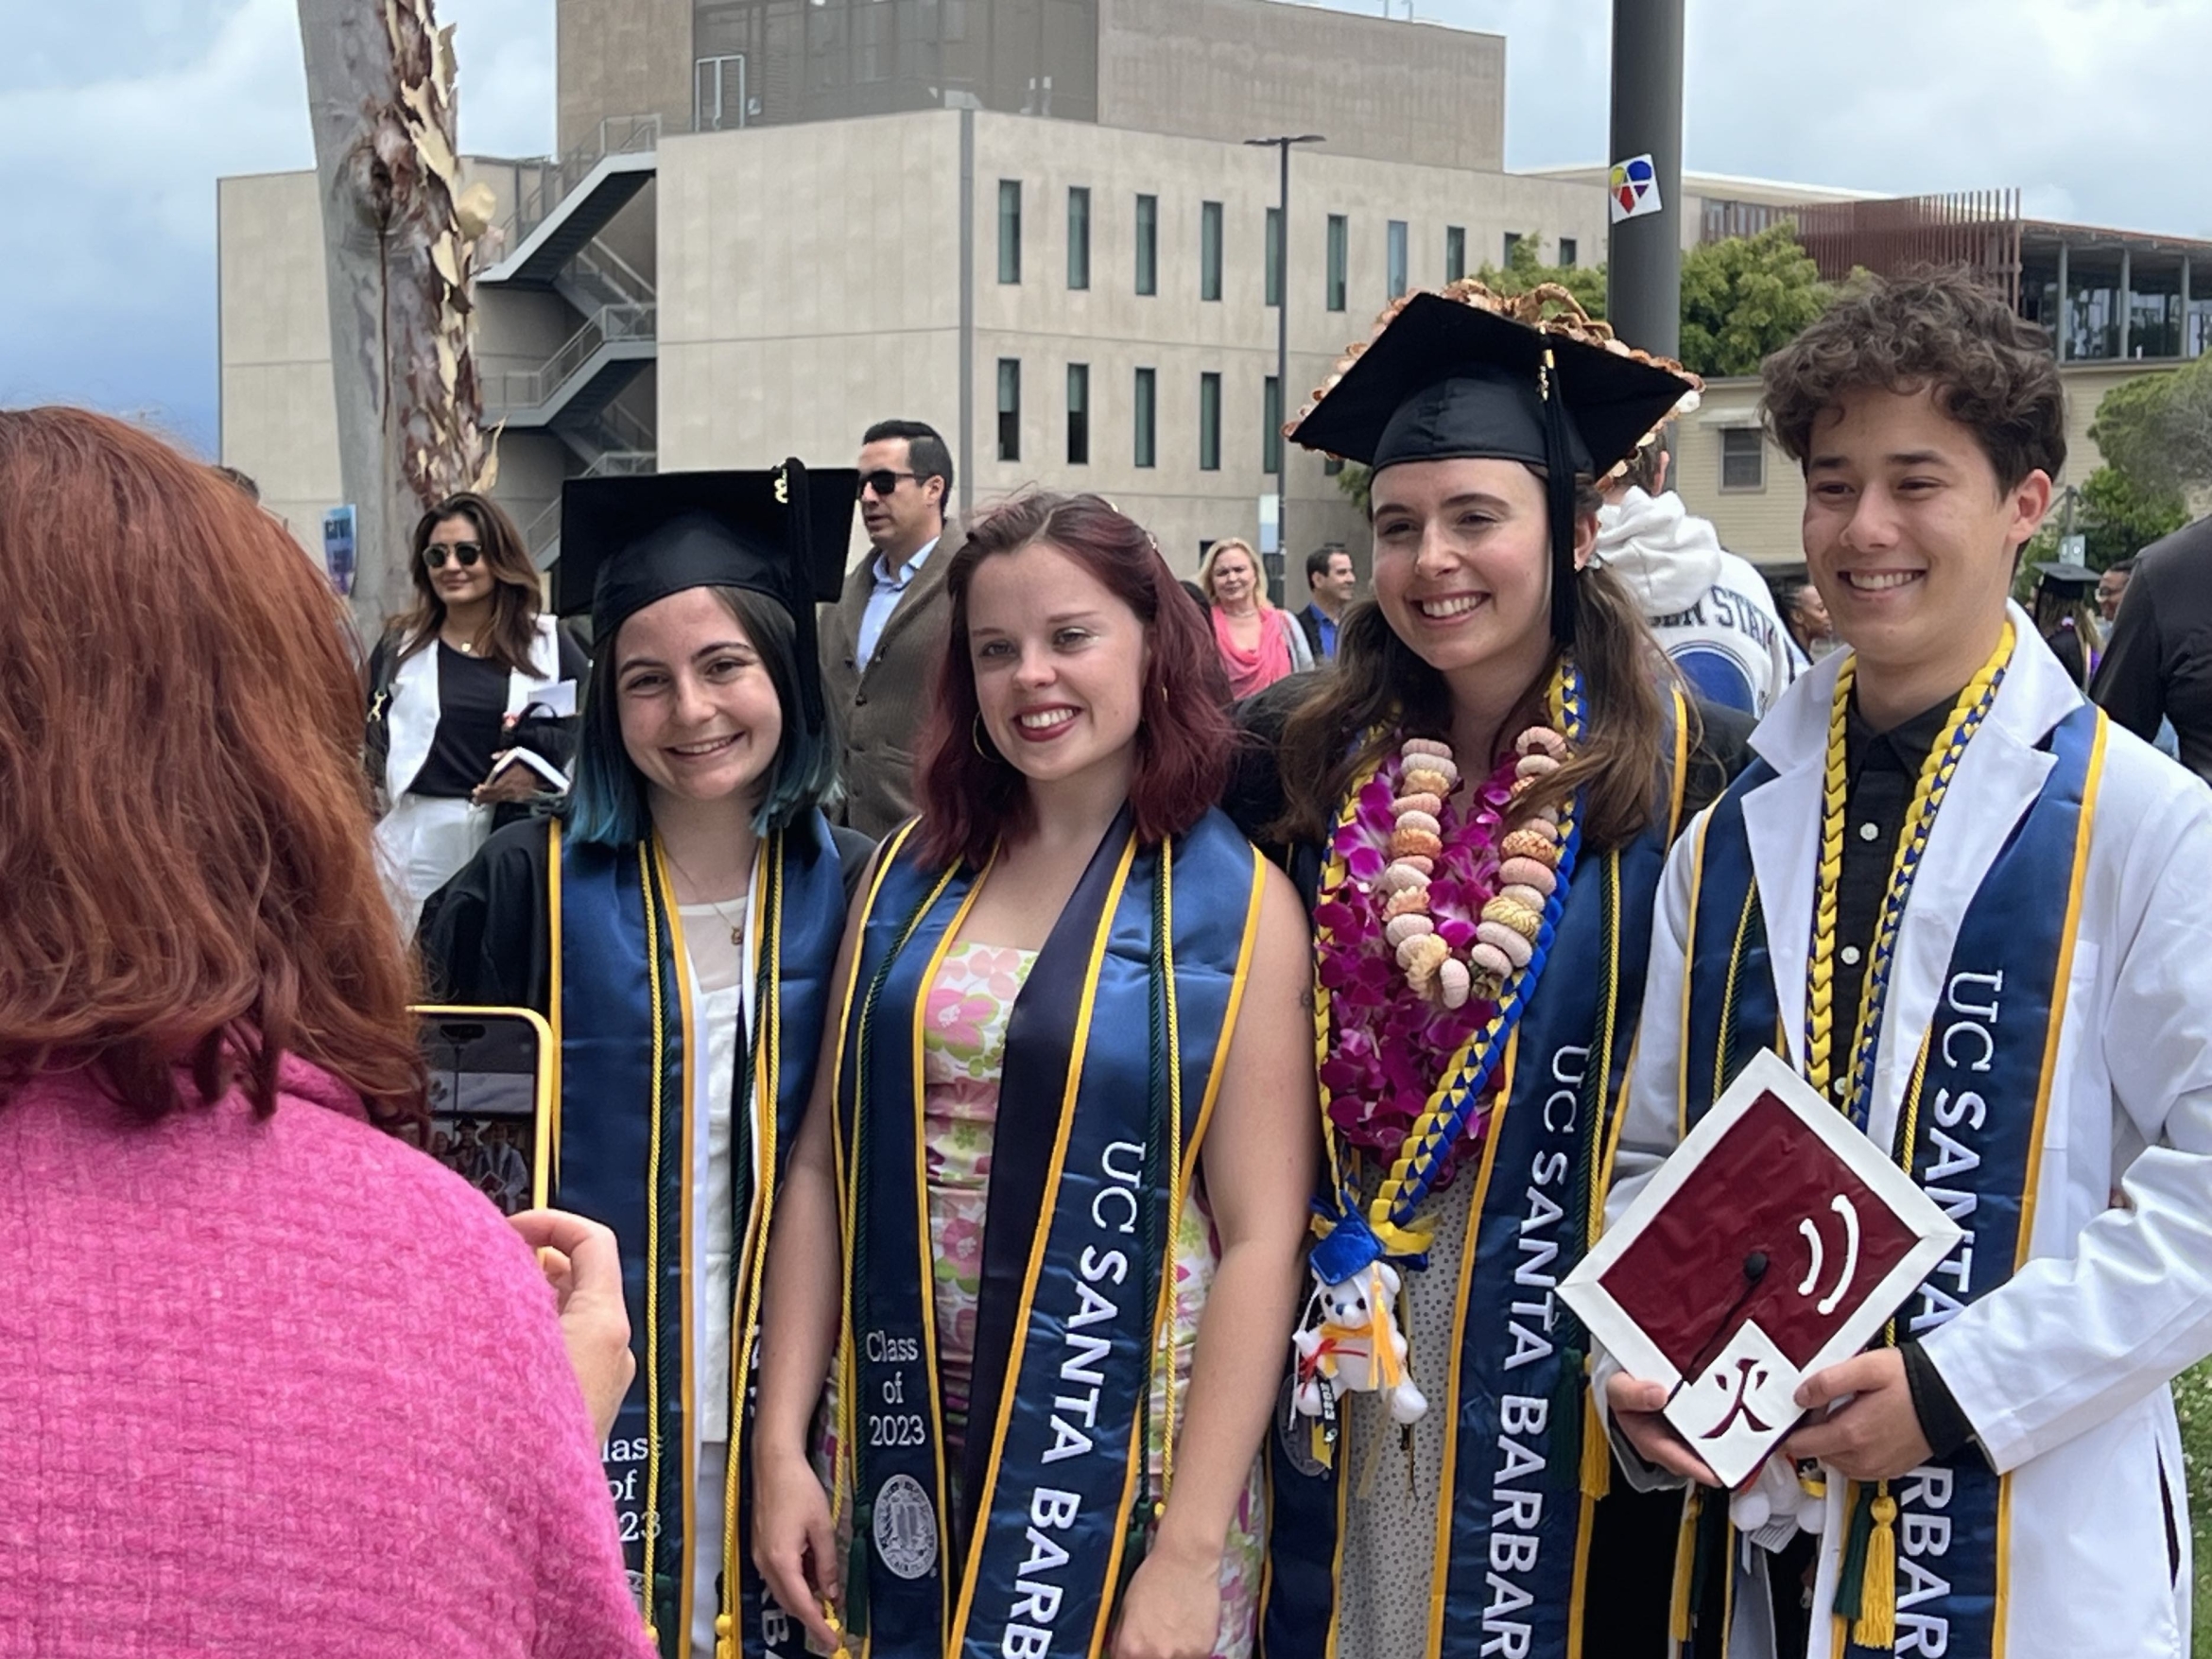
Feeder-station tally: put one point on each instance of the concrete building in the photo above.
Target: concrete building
(1035, 224)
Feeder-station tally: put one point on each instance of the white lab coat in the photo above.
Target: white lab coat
(2063, 1371)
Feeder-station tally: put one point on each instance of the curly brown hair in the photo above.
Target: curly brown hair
(1992, 371)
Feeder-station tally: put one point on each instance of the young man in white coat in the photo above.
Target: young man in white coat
(1944, 847)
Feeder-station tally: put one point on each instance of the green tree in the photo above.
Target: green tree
(1524, 270)
(2157, 430)
(1354, 480)
(2116, 517)
(1745, 298)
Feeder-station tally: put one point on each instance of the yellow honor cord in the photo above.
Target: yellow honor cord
(652, 1526)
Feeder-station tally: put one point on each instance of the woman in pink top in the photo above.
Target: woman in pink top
(274, 1382)
(1259, 643)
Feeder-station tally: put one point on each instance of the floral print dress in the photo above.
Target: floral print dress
(963, 1049)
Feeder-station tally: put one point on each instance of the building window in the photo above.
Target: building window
(1209, 423)
(1394, 256)
(1079, 414)
(1209, 251)
(1147, 245)
(1272, 426)
(1512, 240)
(1148, 387)
(1010, 230)
(1743, 458)
(1339, 246)
(1078, 238)
(1455, 252)
(1567, 252)
(1274, 256)
(1010, 408)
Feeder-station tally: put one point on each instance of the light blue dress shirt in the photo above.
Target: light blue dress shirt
(889, 584)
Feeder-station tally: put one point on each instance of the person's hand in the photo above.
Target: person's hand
(1172, 1609)
(1634, 1405)
(585, 1266)
(1875, 1434)
(501, 789)
(794, 1543)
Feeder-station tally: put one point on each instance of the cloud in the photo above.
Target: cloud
(111, 165)
(117, 117)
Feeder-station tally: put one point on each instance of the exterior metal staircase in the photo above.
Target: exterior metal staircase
(564, 204)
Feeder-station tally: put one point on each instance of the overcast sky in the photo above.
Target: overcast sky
(116, 117)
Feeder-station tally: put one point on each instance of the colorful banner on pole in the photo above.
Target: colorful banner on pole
(1633, 186)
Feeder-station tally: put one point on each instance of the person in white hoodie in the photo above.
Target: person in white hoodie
(1711, 611)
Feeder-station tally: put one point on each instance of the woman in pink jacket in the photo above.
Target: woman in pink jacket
(275, 1383)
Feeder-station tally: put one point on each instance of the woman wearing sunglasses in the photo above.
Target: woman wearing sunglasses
(471, 698)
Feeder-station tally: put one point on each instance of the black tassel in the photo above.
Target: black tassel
(1558, 464)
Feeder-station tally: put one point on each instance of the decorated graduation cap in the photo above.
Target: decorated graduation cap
(1775, 1242)
(2064, 579)
(1469, 375)
(626, 543)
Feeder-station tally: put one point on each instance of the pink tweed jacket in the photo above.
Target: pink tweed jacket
(281, 1388)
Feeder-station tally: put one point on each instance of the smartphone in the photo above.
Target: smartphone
(490, 1100)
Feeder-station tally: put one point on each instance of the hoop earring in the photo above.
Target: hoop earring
(976, 739)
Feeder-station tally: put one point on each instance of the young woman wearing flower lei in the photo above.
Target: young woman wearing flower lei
(1476, 803)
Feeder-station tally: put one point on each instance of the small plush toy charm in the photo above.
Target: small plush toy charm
(1354, 1346)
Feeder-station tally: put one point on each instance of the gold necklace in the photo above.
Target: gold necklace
(737, 927)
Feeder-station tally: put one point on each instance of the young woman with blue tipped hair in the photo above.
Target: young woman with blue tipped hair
(676, 925)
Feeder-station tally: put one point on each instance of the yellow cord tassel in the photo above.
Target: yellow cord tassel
(1596, 1452)
(725, 1637)
(1877, 1624)
(1685, 1555)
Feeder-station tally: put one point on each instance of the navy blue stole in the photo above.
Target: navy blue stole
(1114, 1056)
(1976, 1112)
(623, 1019)
(1512, 1544)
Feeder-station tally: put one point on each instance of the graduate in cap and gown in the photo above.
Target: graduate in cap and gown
(676, 926)
(1476, 805)
(1973, 914)
(2066, 616)
(1049, 1204)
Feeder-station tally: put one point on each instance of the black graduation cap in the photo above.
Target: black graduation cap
(2066, 580)
(1447, 380)
(781, 533)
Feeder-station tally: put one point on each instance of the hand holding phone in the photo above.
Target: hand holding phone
(585, 1267)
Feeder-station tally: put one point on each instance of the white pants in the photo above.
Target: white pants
(420, 843)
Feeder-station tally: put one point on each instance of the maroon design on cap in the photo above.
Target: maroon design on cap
(1769, 1186)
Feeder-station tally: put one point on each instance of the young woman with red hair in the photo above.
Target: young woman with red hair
(1066, 1123)
(280, 1384)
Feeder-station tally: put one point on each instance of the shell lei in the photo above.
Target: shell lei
(1503, 963)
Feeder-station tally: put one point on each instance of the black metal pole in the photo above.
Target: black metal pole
(1643, 261)
(1280, 575)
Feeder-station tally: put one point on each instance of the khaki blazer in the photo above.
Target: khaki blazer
(882, 708)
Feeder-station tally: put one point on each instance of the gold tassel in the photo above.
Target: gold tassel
(1686, 1554)
(1596, 1452)
(1877, 1624)
(725, 1637)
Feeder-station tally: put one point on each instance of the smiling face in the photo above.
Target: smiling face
(1060, 665)
(699, 714)
(1911, 539)
(458, 583)
(1235, 583)
(1336, 585)
(1463, 563)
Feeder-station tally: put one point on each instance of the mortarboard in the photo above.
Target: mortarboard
(626, 543)
(1469, 375)
(2066, 580)
(1775, 1242)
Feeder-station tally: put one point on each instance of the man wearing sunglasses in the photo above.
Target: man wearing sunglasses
(881, 642)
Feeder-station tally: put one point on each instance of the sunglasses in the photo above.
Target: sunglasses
(883, 481)
(465, 554)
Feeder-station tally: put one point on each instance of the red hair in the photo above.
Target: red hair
(1184, 738)
(183, 817)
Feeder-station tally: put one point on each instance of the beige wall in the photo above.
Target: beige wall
(1237, 69)
(809, 285)
(621, 58)
(1762, 525)
(279, 417)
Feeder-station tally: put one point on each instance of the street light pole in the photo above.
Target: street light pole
(1642, 257)
(1282, 147)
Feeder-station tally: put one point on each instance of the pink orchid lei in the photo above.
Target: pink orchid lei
(1386, 1046)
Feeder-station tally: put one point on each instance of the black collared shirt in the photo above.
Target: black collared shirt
(1884, 771)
